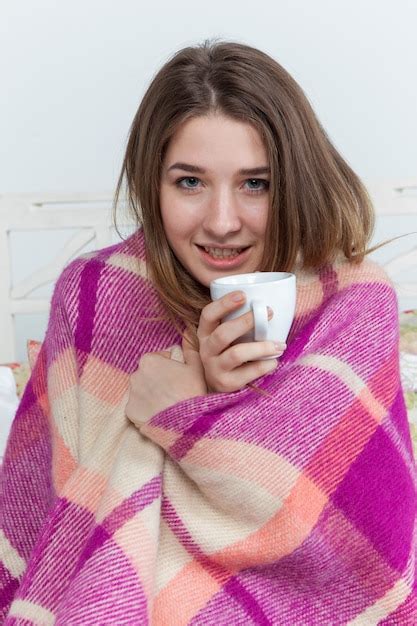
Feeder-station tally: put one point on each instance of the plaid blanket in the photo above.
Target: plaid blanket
(294, 507)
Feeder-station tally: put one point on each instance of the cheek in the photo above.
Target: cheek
(258, 225)
(170, 215)
(263, 221)
(178, 220)
(175, 225)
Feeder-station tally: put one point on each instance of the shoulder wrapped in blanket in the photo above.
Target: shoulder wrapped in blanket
(295, 507)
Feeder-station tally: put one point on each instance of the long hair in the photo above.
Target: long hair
(319, 207)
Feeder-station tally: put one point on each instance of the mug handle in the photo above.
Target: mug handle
(260, 313)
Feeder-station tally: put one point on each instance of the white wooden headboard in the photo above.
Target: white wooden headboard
(69, 224)
(82, 220)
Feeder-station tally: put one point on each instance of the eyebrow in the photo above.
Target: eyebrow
(195, 169)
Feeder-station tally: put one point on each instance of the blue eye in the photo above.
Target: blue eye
(264, 183)
(192, 182)
(187, 178)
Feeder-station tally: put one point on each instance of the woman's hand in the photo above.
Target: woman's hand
(226, 368)
(160, 382)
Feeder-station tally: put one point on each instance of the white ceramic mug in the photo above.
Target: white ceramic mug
(262, 289)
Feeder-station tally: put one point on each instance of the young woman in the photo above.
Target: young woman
(156, 472)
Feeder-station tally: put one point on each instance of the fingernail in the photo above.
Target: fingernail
(279, 346)
(237, 297)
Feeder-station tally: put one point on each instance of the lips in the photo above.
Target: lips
(213, 245)
(214, 250)
(224, 262)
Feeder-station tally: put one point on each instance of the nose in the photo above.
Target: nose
(222, 215)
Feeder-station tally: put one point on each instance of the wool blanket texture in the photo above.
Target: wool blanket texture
(292, 508)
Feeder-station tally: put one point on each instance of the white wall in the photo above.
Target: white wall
(72, 75)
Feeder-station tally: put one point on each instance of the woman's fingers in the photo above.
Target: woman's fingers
(250, 372)
(215, 311)
(237, 379)
(224, 334)
(230, 330)
(242, 353)
(229, 366)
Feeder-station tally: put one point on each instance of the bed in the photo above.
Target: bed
(40, 233)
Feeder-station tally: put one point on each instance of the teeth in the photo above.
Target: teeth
(221, 254)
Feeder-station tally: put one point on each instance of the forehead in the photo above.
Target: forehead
(216, 139)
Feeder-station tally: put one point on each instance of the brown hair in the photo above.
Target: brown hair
(318, 205)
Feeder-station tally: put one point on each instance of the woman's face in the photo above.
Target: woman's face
(214, 197)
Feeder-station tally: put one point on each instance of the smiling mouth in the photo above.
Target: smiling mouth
(223, 253)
